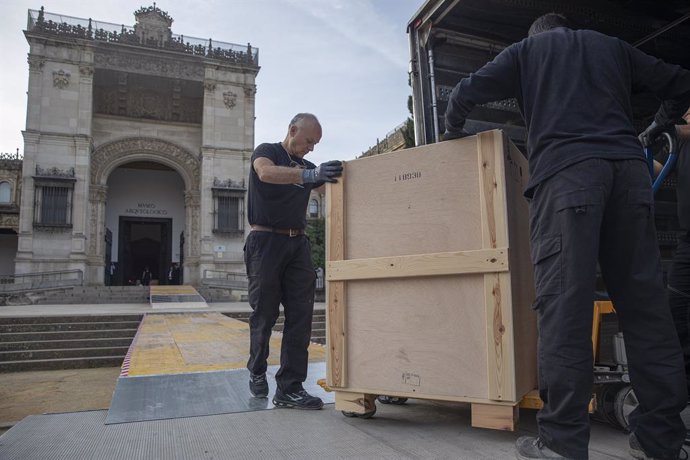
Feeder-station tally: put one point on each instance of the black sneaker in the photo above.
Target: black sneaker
(258, 386)
(529, 447)
(298, 400)
(638, 453)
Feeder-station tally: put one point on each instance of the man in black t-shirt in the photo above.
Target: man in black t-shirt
(590, 200)
(278, 258)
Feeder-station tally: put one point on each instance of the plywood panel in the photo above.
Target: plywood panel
(418, 335)
(418, 201)
(521, 271)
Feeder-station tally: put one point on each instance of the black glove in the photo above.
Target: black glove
(450, 135)
(650, 135)
(325, 172)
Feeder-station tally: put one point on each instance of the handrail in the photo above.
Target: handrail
(41, 280)
(221, 278)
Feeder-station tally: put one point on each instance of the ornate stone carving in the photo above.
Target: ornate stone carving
(9, 221)
(228, 184)
(35, 64)
(249, 91)
(229, 99)
(55, 172)
(150, 65)
(210, 86)
(61, 78)
(170, 100)
(153, 26)
(86, 70)
(98, 192)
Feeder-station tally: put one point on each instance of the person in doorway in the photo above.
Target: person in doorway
(146, 276)
(278, 258)
(589, 200)
(174, 274)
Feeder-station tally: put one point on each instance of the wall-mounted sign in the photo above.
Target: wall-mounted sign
(219, 248)
(146, 209)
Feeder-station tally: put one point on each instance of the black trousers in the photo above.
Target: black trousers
(280, 270)
(679, 297)
(603, 210)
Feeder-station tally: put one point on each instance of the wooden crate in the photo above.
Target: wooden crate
(429, 279)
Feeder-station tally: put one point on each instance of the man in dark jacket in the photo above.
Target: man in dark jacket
(590, 199)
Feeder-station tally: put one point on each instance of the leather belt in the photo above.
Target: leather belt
(291, 232)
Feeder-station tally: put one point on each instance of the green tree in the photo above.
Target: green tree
(316, 231)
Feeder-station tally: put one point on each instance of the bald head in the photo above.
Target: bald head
(303, 134)
(301, 118)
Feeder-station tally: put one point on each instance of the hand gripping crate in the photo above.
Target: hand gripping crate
(429, 279)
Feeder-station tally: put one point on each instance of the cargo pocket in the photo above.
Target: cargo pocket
(252, 260)
(546, 258)
(641, 202)
(579, 200)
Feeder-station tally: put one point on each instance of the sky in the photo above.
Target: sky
(346, 61)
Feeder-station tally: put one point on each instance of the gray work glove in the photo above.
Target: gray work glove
(325, 172)
(449, 135)
(650, 135)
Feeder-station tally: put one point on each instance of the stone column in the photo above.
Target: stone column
(96, 247)
(192, 249)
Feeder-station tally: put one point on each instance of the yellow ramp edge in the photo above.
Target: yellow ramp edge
(180, 343)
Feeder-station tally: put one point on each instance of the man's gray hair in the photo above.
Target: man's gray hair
(304, 116)
(548, 22)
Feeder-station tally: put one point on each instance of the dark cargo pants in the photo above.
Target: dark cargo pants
(602, 210)
(679, 297)
(280, 270)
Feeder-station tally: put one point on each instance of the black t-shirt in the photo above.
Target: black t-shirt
(573, 88)
(278, 205)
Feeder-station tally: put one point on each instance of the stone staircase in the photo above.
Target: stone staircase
(74, 342)
(92, 295)
(65, 342)
(318, 328)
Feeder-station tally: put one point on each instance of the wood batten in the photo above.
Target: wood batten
(335, 291)
(441, 263)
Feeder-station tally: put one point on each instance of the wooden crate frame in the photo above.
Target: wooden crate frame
(507, 283)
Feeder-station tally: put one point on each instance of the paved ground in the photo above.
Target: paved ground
(40, 392)
(418, 430)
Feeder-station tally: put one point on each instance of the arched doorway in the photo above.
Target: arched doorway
(144, 201)
(145, 213)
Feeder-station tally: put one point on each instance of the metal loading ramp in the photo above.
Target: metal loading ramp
(176, 297)
(193, 364)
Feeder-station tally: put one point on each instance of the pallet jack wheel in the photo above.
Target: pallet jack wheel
(625, 402)
(606, 398)
(391, 400)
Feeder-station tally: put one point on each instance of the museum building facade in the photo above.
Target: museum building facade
(136, 149)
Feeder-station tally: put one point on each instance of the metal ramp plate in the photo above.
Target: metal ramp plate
(161, 397)
(175, 297)
(192, 364)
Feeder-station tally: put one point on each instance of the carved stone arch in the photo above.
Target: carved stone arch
(106, 158)
(113, 154)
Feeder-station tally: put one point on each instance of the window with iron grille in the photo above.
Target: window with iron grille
(53, 204)
(228, 211)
